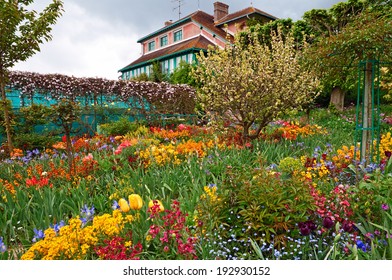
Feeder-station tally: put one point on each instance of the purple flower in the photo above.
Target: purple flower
(57, 227)
(311, 225)
(38, 234)
(3, 248)
(87, 214)
(328, 223)
(384, 207)
(306, 227)
(115, 205)
(303, 228)
(347, 226)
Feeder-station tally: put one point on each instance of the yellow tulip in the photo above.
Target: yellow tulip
(151, 204)
(124, 206)
(135, 201)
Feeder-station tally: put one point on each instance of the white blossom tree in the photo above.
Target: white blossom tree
(249, 84)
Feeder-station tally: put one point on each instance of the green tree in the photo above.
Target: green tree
(253, 83)
(64, 114)
(21, 33)
(343, 35)
(183, 74)
(157, 75)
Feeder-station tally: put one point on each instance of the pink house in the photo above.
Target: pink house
(183, 39)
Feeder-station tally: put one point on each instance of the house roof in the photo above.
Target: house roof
(199, 17)
(194, 44)
(243, 13)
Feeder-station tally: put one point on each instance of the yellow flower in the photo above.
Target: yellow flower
(135, 201)
(151, 204)
(124, 206)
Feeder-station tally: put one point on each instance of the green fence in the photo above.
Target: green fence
(102, 110)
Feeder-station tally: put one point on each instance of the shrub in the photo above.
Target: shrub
(119, 127)
(33, 141)
(267, 205)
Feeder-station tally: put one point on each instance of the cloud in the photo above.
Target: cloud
(96, 38)
(85, 44)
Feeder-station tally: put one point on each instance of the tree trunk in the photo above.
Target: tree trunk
(337, 98)
(7, 117)
(367, 115)
(69, 150)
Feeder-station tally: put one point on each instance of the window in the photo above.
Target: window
(178, 35)
(164, 41)
(151, 46)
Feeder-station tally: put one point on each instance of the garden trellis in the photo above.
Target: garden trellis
(102, 99)
(368, 113)
(163, 97)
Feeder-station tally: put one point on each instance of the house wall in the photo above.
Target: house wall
(189, 30)
(167, 66)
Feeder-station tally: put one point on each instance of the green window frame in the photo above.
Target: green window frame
(151, 46)
(177, 35)
(164, 41)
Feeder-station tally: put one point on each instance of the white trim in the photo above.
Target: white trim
(224, 40)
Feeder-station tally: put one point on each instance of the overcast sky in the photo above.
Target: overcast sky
(96, 38)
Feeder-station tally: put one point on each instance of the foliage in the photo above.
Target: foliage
(284, 193)
(22, 32)
(252, 84)
(348, 33)
(31, 141)
(183, 74)
(386, 83)
(142, 97)
(373, 193)
(33, 115)
(157, 75)
(119, 127)
(64, 114)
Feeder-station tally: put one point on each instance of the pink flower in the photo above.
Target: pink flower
(181, 127)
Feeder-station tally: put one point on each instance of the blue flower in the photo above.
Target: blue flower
(87, 214)
(371, 167)
(38, 234)
(362, 246)
(115, 205)
(3, 248)
(57, 227)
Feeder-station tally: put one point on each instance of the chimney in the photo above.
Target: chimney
(169, 22)
(220, 10)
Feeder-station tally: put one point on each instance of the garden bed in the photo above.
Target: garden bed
(294, 193)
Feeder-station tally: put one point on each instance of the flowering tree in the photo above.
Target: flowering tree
(162, 98)
(21, 33)
(252, 83)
